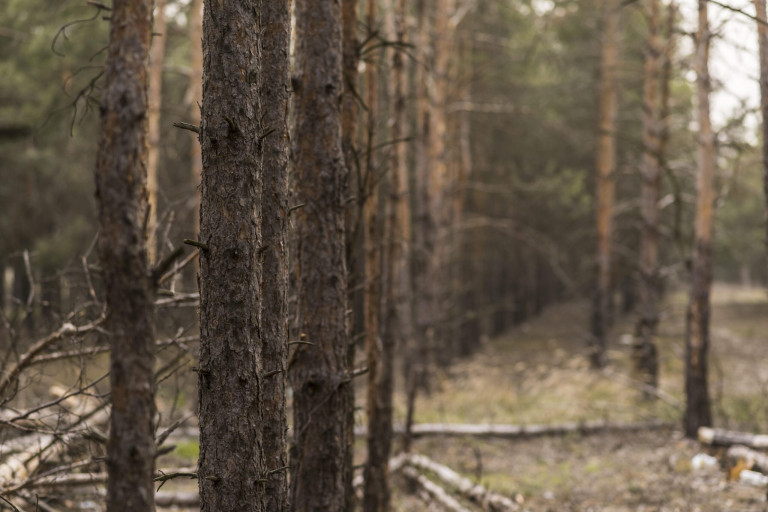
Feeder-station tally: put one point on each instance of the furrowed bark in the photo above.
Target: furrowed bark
(273, 93)
(321, 476)
(121, 196)
(234, 470)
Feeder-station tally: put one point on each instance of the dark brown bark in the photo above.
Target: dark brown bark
(242, 346)
(762, 35)
(645, 353)
(121, 196)
(321, 473)
(697, 404)
(606, 186)
(379, 390)
(274, 85)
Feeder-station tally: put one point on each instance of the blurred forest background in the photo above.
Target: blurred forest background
(511, 93)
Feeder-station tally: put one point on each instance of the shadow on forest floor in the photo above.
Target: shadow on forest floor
(539, 373)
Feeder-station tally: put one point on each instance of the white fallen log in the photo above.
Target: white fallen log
(720, 437)
(755, 460)
(476, 493)
(395, 463)
(523, 431)
(436, 493)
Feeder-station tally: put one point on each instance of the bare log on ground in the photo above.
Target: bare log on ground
(395, 464)
(435, 492)
(720, 437)
(476, 493)
(757, 461)
(524, 431)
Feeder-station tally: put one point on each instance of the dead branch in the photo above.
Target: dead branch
(720, 437)
(435, 492)
(757, 461)
(65, 330)
(476, 493)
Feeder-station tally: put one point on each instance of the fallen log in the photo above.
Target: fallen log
(476, 493)
(435, 492)
(720, 437)
(523, 431)
(754, 460)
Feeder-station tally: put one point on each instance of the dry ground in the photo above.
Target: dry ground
(538, 373)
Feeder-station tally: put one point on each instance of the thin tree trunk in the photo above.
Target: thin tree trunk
(194, 101)
(234, 467)
(646, 357)
(762, 35)
(417, 358)
(606, 186)
(321, 476)
(156, 61)
(697, 405)
(379, 391)
(121, 198)
(274, 84)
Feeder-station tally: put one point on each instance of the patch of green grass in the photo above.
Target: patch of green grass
(187, 450)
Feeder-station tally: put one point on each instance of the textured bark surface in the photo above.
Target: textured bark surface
(122, 201)
(274, 85)
(240, 469)
(645, 353)
(321, 473)
(762, 38)
(156, 61)
(697, 404)
(606, 185)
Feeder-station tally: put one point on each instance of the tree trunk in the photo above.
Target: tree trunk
(645, 353)
(194, 101)
(762, 35)
(606, 185)
(156, 61)
(121, 198)
(242, 340)
(321, 476)
(274, 87)
(379, 390)
(697, 406)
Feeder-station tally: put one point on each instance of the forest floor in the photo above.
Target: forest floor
(539, 373)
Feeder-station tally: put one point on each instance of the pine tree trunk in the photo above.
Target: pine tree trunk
(606, 186)
(274, 87)
(156, 61)
(646, 357)
(697, 405)
(121, 198)
(321, 476)
(762, 34)
(241, 466)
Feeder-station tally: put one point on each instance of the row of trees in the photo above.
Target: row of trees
(426, 207)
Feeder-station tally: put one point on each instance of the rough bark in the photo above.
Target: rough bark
(606, 186)
(321, 475)
(645, 353)
(235, 464)
(697, 404)
(156, 61)
(762, 37)
(121, 197)
(274, 84)
(194, 101)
